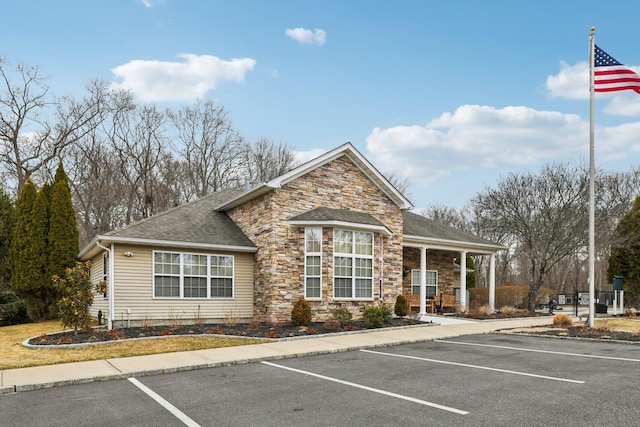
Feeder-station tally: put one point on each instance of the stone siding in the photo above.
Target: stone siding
(441, 261)
(279, 261)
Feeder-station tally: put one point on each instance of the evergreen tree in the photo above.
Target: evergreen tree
(7, 213)
(625, 255)
(63, 229)
(21, 277)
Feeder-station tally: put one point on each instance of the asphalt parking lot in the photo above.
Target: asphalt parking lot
(478, 380)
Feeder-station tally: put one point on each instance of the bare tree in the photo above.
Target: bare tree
(138, 136)
(211, 147)
(267, 160)
(546, 214)
(35, 127)
(402, 184)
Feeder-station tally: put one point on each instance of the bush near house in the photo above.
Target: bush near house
(343, 316)
(402, 306)
(76, 292)
(376, 317)
(301, 313)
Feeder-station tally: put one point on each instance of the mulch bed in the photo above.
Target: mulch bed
(250, 330)
(580, 331)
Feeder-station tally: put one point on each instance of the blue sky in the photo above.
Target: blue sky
(451, 94)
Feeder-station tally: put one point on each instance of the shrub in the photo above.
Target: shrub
(12, 309)
(332, 325)
(76, 293)
(343, 316)
(402, 306)
(480, 311)
(507, 311)
(301, 313)
(511, 295)
(376, 317)
(562, 319)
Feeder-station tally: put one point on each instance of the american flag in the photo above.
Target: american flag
(610, 75)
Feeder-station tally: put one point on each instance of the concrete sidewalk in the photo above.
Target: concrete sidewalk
(26, 379)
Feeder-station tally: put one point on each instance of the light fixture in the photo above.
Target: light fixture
(128, 254)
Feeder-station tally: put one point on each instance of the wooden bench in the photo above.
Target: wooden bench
(413, 300)
(448, 301)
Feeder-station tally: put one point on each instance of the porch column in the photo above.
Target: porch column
(463, 280)
(423, 281)
(492, 282)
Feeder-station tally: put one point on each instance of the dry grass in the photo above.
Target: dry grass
(562, 319)
(621, 324)
(15, 355)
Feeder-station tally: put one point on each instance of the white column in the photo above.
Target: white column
(463, 280)
(492, 282)
(423, 281)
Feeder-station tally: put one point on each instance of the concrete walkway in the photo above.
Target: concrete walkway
(26, 379)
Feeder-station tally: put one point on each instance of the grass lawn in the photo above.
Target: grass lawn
(15, 355)
(619, 324)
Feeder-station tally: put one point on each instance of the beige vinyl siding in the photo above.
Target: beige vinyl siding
(134, 291)
(99, 301)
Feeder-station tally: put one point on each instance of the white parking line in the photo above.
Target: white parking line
(168, 406)
(506, 371)
(561, 353)
(374, 390)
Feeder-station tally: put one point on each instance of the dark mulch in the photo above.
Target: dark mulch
(252, 330)
(581, 331)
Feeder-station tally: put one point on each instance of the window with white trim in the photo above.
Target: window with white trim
(352, 264)
(187, 275)
(432, 282)
(313, 263)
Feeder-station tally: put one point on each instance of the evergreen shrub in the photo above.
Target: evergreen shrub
(301, 313)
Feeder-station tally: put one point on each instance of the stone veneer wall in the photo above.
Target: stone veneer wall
(279, 261)
(442, 261)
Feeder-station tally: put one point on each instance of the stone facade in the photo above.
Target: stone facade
(279, 261)
(441, 261)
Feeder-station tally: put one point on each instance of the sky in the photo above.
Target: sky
(451, 95)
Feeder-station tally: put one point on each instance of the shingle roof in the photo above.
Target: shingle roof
(342, 215)
(194, 222)
(420, 226)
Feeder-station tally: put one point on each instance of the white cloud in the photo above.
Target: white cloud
(572, 82)
(186, 81)
(477, 137)
(304, 36)
(304, 156)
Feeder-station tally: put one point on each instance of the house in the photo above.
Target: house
(333, 231)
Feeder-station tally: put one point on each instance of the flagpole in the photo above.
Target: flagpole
(591, 184)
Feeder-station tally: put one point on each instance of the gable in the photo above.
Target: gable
(346, 150)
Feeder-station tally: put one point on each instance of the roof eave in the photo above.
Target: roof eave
(342, 224)
(451, 245)
(93, 247)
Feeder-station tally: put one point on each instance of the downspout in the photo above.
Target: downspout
(381, 284)
(110, 287)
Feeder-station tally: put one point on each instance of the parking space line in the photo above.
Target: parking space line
(374, 390)
(506, 371)
(560, 353)
(165, 404)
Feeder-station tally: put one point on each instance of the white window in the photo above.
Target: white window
(185, 275)
(432, 282)
(313, 263)
(352, 264)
